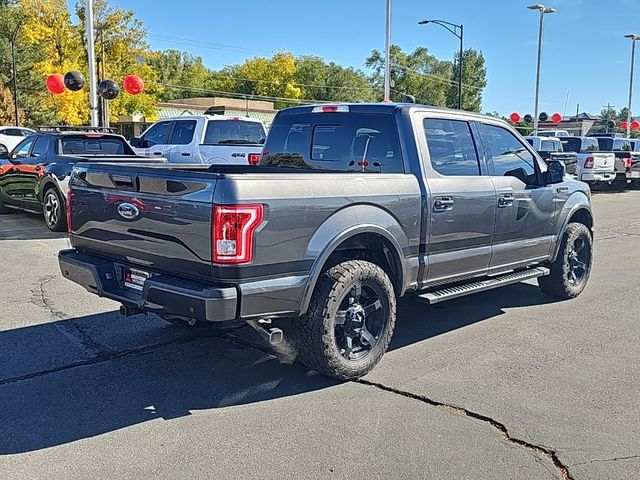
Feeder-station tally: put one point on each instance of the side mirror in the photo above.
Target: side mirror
(555, 172)
(135, 142)
(4, 153)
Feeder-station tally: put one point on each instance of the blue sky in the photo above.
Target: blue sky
(585, 52)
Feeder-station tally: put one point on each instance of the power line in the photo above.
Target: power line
(204, 44)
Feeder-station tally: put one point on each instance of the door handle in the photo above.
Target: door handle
(157, 153)
(185, 154)
(505, 200)
(442, 204)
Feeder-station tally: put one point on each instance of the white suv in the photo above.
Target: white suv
(214, 139)
(12, 136)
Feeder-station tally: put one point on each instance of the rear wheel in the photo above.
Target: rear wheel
(571, 270)
(619, 183)
(350, 321)
(54, 212)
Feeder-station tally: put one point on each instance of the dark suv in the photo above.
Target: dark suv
(35, 174)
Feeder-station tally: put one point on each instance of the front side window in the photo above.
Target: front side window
(158, 134)
(183, 132)
(510, 157)
(451, 147)
(22, 150)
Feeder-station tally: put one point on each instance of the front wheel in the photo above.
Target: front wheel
(54, 212)
(571, 270)
(350, 321)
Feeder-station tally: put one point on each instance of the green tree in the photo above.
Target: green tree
(331, 82)
(474, 81)
(174, 67)
(417, 73)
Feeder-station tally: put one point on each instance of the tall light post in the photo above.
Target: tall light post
(458, 31)
(14, 73)
(634, 38)
(387, 55)
(543, 10)
(91, 54)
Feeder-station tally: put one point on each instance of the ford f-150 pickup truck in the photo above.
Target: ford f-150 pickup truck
(351, 207)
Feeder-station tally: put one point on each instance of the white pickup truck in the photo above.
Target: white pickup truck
(209, 139)
(594, 167)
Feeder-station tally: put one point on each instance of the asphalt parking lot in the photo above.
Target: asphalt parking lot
(500, 385)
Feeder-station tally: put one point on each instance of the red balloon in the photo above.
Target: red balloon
(515, 117)
(623, 125)
(133, 84)
(635, 125)
(55, 83)
(556, 118)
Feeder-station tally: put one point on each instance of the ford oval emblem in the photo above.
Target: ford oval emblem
(128, 211)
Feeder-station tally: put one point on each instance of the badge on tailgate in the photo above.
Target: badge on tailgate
(135, 279)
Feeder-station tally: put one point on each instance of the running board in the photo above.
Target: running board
(450, 293)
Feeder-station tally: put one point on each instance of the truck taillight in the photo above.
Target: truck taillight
(234, 227)
(628, 162)
(588, 163)
(68, 209)
(254, 158)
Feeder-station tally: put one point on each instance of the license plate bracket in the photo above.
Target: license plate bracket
(135, 278)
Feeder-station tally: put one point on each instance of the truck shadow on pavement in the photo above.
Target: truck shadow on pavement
(75, 378)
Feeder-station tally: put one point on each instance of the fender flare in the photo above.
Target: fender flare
(379, 222)
(580, 202)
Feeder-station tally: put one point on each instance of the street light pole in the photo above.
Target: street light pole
(634, 38)
(387, 56)
(93, 95)
(453, 28)
(14, 74)
(543, 10)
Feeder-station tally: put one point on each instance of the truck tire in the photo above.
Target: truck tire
(54, 210)
(350, 321)
(571, 269)
(619, 184)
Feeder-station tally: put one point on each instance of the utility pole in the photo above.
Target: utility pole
(387, 56)
(93, 94)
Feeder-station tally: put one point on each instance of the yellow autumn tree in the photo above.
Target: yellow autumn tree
(120, 46)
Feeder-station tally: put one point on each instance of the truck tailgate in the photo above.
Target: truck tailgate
(156, 218)
(603, 162)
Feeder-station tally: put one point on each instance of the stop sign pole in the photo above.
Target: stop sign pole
(93, 96)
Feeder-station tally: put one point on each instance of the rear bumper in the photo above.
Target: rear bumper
(597, 177)
(162, 294)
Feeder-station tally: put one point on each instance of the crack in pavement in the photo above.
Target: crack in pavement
(501, 427)
(70, 328)
(603, 460)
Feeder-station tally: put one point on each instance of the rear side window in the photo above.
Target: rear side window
(451, 147)
(550, 146)
(234, 132)
(183, 132)
(328, 141)
(71, 145)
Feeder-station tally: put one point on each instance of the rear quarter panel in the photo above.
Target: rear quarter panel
(307, 212)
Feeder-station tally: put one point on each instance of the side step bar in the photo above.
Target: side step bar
(450, 293)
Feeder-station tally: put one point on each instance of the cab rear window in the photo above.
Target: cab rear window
(84, 145)
(337, 142)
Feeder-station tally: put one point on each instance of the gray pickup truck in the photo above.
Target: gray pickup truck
(351, 207)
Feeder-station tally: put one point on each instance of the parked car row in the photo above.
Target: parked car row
(602, 161)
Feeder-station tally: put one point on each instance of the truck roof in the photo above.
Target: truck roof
(383, 107)
(210, 118)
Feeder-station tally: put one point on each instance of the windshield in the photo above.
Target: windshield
(87, 145)
(234, 132)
